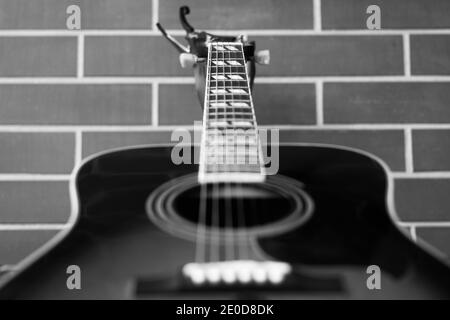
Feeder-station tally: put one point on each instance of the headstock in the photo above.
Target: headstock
(196, 52)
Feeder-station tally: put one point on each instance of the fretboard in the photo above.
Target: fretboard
(230, 150)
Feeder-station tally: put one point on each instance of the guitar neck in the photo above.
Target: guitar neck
(230, 150)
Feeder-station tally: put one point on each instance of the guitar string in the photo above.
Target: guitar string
(228, 207)
(242, 228)
(215, 239)
(200, 248)
(201, 241)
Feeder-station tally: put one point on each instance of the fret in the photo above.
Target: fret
(227, 55)
(231, 152)
(231, 145)
(230, 117)
(234, 124)
(230, 126)
(226, 63)
(237, 141)
(231, 107)
(229, 87)
(228, 80)
(228, 83)
(217, 124)
(243, 164)
(220, 111)
(213, 114)
(228, 123)
(227, 77)
(220, 153)
(240, 164)
(233, 168)
(221, 46)
(230, 134)
(229, 90)
(229, 97)
(230, 110)
(228, 69)
(233, 149)
(215, 148)
(234, 100)
(224, 71)
(232, 131)
(214, 52)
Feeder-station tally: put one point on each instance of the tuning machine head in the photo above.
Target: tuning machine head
(187, 60)
(242, 37)
(262, 57)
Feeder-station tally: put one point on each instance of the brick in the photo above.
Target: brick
(422, 199)
(94, 142)
(75, 104)
(178, 104)
(131, 56)
(430, 150)
(386, 144)
(439, 238)
(378, 102)
(430, 54)
(34, 202)
(39, 56)
(281, 104)
(399, 14)
(332, 55)
(236, 14)
(284, 104)
(17, 245)
(98, 14)
(31, 152)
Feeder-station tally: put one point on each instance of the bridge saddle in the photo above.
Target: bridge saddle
(237, 272)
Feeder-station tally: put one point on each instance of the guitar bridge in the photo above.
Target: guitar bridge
(237, 279)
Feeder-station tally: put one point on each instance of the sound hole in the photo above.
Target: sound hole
(275, 206)
(233, 205)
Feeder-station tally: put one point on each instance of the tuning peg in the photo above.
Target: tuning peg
(262, 57)
(243, 37)
(188, 60)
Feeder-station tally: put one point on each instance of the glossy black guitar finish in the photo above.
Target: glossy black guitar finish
(122, 254)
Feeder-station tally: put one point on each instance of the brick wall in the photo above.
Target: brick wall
(67, 94)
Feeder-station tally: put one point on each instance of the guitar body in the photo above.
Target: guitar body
(345, 225)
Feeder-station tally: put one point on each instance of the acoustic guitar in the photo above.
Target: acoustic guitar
(318, 221)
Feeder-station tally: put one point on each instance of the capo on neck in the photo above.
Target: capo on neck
(196, 52)
(172, 40)
(197, 40)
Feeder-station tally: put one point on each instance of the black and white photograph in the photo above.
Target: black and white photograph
(229, 157)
